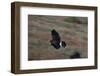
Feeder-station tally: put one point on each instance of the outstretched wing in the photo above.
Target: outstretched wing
(55, 35)
(55, 39)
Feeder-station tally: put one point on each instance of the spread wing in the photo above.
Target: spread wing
(55, 39)
(55, 36)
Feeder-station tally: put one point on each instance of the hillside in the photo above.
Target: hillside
(72, 30)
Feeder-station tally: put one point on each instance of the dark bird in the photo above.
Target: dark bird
(56, 40)
(75, 55)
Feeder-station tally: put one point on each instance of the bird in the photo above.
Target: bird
(56, 40)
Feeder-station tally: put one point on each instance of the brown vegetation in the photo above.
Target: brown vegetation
(73, 30)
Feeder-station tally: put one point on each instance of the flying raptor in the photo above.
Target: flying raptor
(56, 40)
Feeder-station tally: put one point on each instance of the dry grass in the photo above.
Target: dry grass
(73, 30)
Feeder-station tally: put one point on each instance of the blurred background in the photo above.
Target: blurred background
(72, 30)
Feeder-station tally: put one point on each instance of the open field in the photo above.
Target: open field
(72, 30)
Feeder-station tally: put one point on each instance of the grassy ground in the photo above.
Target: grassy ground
(72, 30)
